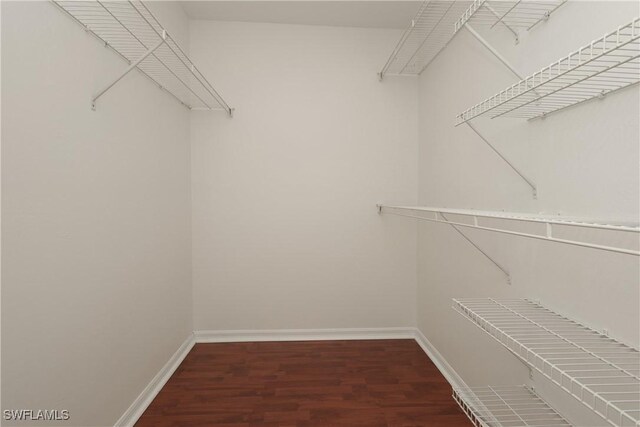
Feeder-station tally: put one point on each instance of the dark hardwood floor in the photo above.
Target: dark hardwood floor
(313, 383)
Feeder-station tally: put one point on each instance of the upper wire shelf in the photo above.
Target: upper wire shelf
(607, 64)
(514, 15)
(507, 406)
(428, 33)
(132, 31)
(553, 225)
(600, 372)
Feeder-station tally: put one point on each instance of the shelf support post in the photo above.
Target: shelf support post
(515, 169)
(129, 69)
(472, 243)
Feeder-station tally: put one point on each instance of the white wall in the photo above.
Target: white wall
(285, 231)
(95, 232)
(585, 163)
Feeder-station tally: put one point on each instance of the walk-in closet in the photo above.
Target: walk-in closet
(320, 213)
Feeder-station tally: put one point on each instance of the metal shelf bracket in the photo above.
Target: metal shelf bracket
(129, 69)
(514, 71)
(491, 49)
(445, 220)
(514, 15)
(534, 189)
(501, 20)
(472, 243)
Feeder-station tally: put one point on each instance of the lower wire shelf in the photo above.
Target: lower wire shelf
(510, 406)
(598, 371)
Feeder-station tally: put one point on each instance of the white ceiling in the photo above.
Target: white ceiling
(359, 13)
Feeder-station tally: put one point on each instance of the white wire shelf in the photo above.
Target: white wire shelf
(607, 64)
(428, 33)
(514, 15)
(600, 372)
(131, 30)
(500, 406)
(550, 222)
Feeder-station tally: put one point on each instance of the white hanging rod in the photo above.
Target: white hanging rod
(549, 222)
(133, 32)
(507, 406)
(427, 34)
(606, 65)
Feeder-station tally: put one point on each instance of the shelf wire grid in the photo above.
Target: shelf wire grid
(515, 15)
(607, 64)
(507, 406)
(428, 33)
(598, 371)
(130, 29)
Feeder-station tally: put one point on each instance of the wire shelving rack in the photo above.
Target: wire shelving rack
(514, 15)
(607, 64)
(428, 33)
(502, 406)
(600, 372)
(134, 33)
(548, 232)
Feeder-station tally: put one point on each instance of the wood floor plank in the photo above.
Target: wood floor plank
(386, 383)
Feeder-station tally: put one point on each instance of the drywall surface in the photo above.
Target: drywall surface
(285, 230)
(584, 162)
(95, 232)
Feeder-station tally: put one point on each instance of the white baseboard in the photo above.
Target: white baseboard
(145, 398)
(445, 369)
(304, 335)
(335, 334)
(149, 393)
